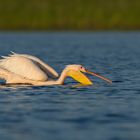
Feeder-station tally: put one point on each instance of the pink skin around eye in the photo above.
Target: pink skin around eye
(82, 69)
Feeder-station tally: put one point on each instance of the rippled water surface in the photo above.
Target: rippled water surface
(98, 112)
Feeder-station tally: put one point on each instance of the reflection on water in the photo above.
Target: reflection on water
(101, 112)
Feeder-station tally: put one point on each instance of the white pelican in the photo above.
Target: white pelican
(28, 69)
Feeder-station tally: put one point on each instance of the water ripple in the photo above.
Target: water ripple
(100, 112)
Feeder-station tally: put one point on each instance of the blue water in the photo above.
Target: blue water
(98, 112)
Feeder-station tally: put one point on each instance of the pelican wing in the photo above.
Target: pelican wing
(45, 67)
(28, 66)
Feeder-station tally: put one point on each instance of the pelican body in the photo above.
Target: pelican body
(28, 69)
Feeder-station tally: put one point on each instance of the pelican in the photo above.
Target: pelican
(28, 69)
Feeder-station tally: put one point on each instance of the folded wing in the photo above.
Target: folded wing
(28, 66)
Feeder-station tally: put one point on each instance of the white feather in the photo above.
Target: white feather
(5, 57)
(27, 66)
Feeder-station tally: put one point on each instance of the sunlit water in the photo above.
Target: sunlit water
(98, 112)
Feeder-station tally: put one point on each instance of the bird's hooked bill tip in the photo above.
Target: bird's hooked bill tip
(97, 75)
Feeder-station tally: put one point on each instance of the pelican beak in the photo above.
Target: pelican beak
(97, 75)
(80, 77)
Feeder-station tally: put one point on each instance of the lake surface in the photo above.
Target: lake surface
(99, 112)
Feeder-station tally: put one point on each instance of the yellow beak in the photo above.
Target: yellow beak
(83, 79)
(80, 77)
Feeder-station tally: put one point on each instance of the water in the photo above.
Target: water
(98, 112)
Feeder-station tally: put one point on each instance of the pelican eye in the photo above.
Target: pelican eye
(81, 68)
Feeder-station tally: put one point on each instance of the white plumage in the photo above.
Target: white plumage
(28, 66)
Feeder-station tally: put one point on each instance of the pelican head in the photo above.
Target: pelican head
(77, 73)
